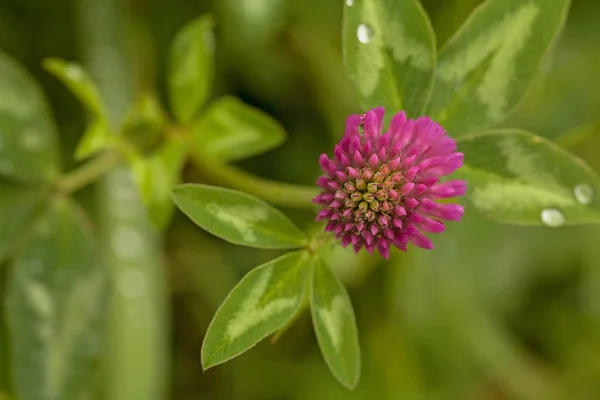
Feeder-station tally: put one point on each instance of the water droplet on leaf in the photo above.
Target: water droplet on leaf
(365, 33)
(553, 217)
(584, 193)
(349, 3)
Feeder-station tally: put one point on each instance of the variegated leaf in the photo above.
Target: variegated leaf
(518, 177)
(389, 51)
(263, 302)
(484, 71)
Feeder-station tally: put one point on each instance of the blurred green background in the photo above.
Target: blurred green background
(494, 312)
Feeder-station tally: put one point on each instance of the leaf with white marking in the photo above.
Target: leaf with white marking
(485, 70)
(517, 177)
(390, 53)
(335, 326)
(191, 68)
(263, 302)
(232, 130)
(28, 139)
(98, 135)
(56, 308)
(237, 217)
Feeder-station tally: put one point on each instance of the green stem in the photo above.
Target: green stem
(88, 172)
(277, 193)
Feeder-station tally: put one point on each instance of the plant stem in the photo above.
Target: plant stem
(277, 193)
(88, 172)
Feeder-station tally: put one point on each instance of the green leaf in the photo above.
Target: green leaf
(17, 205)
(191, 68)
(156, 174)
(145, 124)
(56, 308)
(98, 135)
(335, 326)
(237, 217)
(390, 53)
(485, 70)
(28, 139)
(231, 130)
(518, 177)
(79, 82)
(264, 301)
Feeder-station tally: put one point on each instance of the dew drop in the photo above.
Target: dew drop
(365, 33)
(131, 284)
(349, 3)
(553, 217)
(32, 141)
(584, 193)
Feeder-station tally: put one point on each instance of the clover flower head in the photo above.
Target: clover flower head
(381, 190)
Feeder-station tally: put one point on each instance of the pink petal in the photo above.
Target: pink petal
(384, 248)
(373, 122)
(449, 189)
(352, 124)
(450, 212)
(373, 161)
(418, 239)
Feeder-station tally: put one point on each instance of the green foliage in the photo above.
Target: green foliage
(17, 206)
(232, 130)
(156, 174)
(390, 54)
(28, 141)
(237, 217)
(263, 302)
(145, 124)
(191, 68)
(335, 325)
(518, 177)
(98, 135)
(56, 308)
(447, 336)
(485, 70)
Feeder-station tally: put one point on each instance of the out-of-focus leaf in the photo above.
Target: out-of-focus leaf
(390, 53)
(486, 68)
(156, 175)
(28, 141)
(191, 68)
(237, 217)
(17, 204)
(231, 130)
(79, 82)
(264, 301)
(335, 326)
(517, 177)
(56, 308)
(144, 124)
(98, 135)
